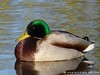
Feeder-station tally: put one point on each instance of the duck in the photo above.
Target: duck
(40, 43)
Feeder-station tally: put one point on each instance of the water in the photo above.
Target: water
(81, 17)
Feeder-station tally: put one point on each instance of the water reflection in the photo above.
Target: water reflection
(50, 68)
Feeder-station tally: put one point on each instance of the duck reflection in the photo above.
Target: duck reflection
(25, 68)
(49, 68)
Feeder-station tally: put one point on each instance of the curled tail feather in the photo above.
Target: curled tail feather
(91, 46)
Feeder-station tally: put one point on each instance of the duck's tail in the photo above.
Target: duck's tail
(91, 46)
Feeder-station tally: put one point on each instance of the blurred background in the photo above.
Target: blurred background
(81, 17)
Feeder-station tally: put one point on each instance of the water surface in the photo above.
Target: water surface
(81, 17)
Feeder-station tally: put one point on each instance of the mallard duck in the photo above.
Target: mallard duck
(39, 43)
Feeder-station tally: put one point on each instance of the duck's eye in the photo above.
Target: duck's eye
(33, 28)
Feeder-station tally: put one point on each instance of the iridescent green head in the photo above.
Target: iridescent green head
(37, 28)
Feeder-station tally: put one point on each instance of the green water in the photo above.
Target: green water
(81, 17)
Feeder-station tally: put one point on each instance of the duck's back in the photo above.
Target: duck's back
(60, 45)
(66, 40)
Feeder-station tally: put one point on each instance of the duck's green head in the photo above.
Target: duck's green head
(37, 28)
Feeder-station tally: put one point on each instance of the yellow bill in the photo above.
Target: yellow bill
(23, 36)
